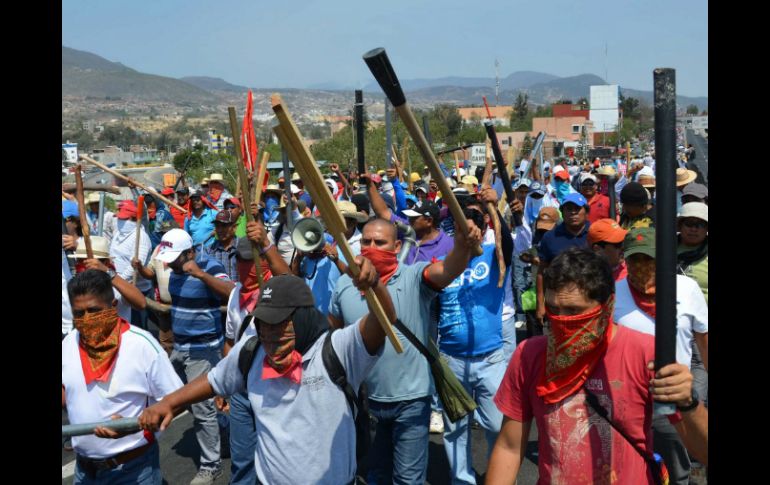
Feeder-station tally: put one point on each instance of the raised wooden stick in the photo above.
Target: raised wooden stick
(72, 188)
(244, 179)
(261, 173)
(457, 168)
(139, 212)
(82, 211)
(134, 182)
(405, 157)
(292, 141)
(495, 221)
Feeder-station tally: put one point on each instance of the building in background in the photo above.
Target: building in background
(605, 110)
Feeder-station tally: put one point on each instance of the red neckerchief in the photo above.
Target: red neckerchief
(248, 300)
(575, 345)
(293, 372)
(621, 271)
(103, 371)
(643, 301)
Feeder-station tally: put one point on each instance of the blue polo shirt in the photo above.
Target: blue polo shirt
(559, 239)
(395, 377)
(201, 228)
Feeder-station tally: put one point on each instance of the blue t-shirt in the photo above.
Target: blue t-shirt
(195, 316)
(395, 377)
(201, 229)
(471, 309)
(321, 276)
(559, 239)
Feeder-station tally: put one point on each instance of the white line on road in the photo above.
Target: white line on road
(68, 470)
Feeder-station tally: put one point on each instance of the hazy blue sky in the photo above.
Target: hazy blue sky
(297, 43)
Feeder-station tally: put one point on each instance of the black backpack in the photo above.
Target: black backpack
(359, 405)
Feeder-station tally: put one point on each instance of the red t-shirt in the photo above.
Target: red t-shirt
(599, 208)
(576, 445)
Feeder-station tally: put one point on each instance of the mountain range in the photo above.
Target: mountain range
(87, 75)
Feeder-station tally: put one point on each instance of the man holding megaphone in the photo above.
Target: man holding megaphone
(317, 260)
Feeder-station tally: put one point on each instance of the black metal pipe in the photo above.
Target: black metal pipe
(613, 196)
(360, 133)
(665, 216)
(454, 149)
(501, 170)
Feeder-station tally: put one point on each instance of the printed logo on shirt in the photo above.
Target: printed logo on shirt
(478, 273)
(313, 383)
(594, 385)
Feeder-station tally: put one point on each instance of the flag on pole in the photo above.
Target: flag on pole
(249, 148)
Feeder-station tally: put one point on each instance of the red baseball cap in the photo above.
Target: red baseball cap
(167, 191)
(126, 209)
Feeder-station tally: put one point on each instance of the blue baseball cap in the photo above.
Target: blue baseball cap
(576, 199)
(69, 208)
(536, 188)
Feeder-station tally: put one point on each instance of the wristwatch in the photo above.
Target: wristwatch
(695, 401)
(112, 273)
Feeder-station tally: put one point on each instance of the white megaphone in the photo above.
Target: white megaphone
(308, 235)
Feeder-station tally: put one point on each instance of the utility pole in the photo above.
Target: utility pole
(497, 83)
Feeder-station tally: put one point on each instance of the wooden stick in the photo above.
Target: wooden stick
(397, 162)
(405, 156)
(82, 210)
(139, 212)
(495, 221)
(72, 188)
(261, 172)
(134, 182)
(292, 141)
(457, 167)
(245, 190)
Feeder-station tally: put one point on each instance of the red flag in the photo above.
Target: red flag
(249, 149)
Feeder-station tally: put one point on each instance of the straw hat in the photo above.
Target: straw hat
(99, 245)
(684, 176)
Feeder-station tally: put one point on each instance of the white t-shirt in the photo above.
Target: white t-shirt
(235, 315)
(508, 309)
(122, 250)
(162, 274)
(142, 376)
(692, 314)
(66, 309)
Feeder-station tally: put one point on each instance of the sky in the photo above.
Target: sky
(301, 43)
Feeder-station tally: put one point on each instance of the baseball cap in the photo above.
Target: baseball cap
(634, 193)
(606, 230)
(205, 181)
(414, 177)
(427, 209)
(234, 201)
(294, 189)
(587, 176)
(182, 190)
(547, 218)
(699, 210)
(172, 244)
(696, 190)
(224, 217)
(469, 180)
(522, 182)
(279, 298)
(69, 208)
(640, 241)
(576, 199)
(560, 173)
(167, 191)
(536, 188)
(126, 209)
(421, 187)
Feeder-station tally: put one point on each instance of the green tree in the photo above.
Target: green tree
(120, 135)
(630, 107)
(83, 138)
(692, 110)
(449, 116)
(520, 109)
(526, 146)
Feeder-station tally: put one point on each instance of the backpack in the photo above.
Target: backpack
(359, 405)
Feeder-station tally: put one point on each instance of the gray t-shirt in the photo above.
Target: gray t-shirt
(395, 377)
(305, 432)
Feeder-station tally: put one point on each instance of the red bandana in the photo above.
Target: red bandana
(293, 371)
(386, 262)
(575, 345)
(644, 302)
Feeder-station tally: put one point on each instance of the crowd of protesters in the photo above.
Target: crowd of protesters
(169, 314)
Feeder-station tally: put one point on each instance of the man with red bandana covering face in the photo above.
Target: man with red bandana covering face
(586, 356)
(111, 369)
(400, 385)
(635, 308)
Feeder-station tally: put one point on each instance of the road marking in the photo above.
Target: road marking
(68, 470)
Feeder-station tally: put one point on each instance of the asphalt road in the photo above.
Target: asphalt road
(701, 160)
(179, 455)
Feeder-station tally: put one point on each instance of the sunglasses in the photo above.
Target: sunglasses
(604, 244)
(588, 182)
(696, 224)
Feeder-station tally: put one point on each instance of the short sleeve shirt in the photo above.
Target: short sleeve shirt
(559, 239)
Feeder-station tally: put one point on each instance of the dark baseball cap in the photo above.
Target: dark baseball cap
(640, 241)
(182, 190)
(224, 217)
(633, 193)
(280, 296)
(427, 209)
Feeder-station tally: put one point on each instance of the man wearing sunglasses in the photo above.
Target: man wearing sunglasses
(599, 203)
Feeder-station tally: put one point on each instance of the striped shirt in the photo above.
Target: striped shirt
(225, 257)
(195, 316)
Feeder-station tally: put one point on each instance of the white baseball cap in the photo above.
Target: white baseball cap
(294, 189)
(173, 243)
(698, 210)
